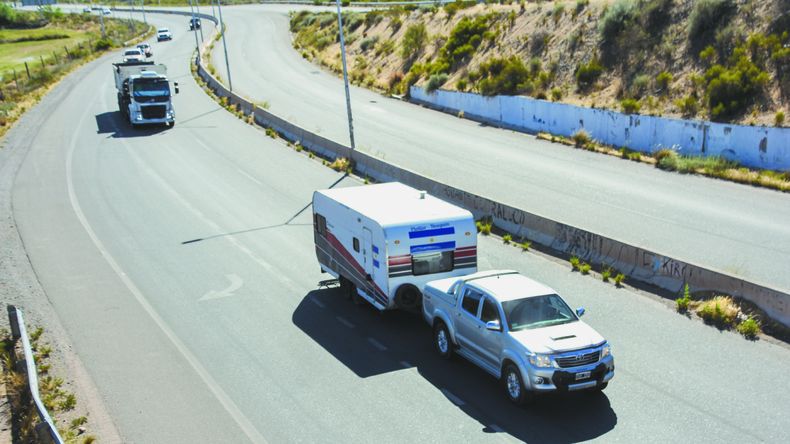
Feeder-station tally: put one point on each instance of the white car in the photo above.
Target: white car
(106, 11)
(86, 10)
(163, 34)
(133, 55)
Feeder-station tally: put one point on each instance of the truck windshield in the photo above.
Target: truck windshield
(150, 88)
(536, 312)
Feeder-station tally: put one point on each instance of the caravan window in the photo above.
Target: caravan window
(430, 263)
(320, 224)
(356, 245)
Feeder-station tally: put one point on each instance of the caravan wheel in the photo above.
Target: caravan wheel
(347, 288)
(408, 297)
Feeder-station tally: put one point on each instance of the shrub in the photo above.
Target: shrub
(369, 43)
(435, 81)
(102, 44)
(271, 133)
(640, 85)
(503, 76)
(663, 153)
(506, 239)
(707, 15)
(779, 118)
(580, 5)
(730, 90)
(619, 279)
(749, 328)
(630, 106)
(688, 106)
(556, 94)
(615, 19)
(682, 303)
(581, 139)
(606, 273)
(575, 262)
(720, 311)
(559, 9)
(464, 39)
(707, 54)
(663, 79)
(483, 228)
(414, 40)
(525, 245)
(585, 268)
(340, 164)
(587, 74)
(635, 156)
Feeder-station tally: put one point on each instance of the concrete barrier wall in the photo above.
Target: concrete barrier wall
(637, 263)
(753, 146)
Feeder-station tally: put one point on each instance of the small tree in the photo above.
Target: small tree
(414, 40)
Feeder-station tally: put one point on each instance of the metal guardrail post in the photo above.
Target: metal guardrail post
(46, 431)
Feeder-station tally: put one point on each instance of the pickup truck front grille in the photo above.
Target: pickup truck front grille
(154, 111)
(579, 359)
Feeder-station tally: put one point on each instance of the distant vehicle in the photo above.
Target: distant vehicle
(86, 10)
(519, 331)
(384, 242)
(194, 23)
(163, 34)
(96, 8)
(133, 55)
(144, 93)
(106, 11)
(146, 49)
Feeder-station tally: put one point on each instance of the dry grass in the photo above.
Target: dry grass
(720, 311)
(340, 164)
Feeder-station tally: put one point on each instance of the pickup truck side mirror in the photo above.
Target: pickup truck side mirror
(493, 326)
(175, 84)
(580, 311)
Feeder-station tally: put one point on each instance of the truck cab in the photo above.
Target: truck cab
(518, 330)
(144, 95)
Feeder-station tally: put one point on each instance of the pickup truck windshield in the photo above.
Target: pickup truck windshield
(536, 312)
(151, 88)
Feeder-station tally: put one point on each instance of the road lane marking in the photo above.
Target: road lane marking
(248, 176)
(233, 410)
(377, 344)
(344, 321)
(454, 399)
(235, 283)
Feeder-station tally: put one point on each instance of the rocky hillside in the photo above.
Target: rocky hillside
(724, 60)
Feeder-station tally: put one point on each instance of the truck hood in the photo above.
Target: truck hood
(558, 338)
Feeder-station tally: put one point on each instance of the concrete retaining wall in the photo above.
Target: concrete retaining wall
(637, 263)
(753, 146)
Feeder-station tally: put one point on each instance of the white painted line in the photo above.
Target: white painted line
(227, 402)
(454, 399)
(405, 364)
(317, 302)
(248, 176)
(344, 321)
(496, 428)
(377, 344)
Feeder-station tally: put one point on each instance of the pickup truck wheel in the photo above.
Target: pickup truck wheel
(514, 386)
(601, 387)
(442, 341)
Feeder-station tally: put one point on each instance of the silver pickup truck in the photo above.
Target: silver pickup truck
(518, 330)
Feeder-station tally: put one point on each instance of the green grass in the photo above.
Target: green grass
(682, 303)
(506, 239)
(720, 311)
(618, 280)
(585, 268)
(749, 328)
(575, 262)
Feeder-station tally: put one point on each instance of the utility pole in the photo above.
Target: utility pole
(142, 2)
(224, 44)
(197, 6)
(212, 8)
(197, 44)
(345, 81)
(101, 20)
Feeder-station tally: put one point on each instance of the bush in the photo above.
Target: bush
(585, 268)
(682, 303)
(102, 44)
(525, 245)
(587, 74)
(707, 15)
(730, 90)
(630, 106)
(464, 39)
(615, 19)
(556, 94)
(663, 79)
(640, 84)
(483, 228)
(688, 106)
(575, 262)
(619, 279)
(779, 118)
(369, 43)
(503, 76)
(720, 311)
(414, 40)
(340, 164)
(581, 139)
(506, 239)
(606, 273)
(707, 54)
(580, 5)
(749, 328)
(435, 81)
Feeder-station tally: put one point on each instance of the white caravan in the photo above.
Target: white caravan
(385, 241)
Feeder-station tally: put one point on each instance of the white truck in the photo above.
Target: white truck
(384, 242)
(144, 93)
(518, 330)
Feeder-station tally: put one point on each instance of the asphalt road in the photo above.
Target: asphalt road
(228, 339)
(737, 229)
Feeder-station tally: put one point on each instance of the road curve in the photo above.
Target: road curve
(227, 339)
(736, 229)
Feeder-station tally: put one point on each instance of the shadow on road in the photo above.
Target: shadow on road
(563, 418)
(114, 124)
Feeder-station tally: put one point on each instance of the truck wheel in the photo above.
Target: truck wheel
(408, 297)
(171, 124)
(442, 340)
(601, 387)
(514, 386)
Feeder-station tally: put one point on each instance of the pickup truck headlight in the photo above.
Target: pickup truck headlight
(606, 351)
(539, 360)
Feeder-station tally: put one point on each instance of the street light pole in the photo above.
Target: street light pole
(197, 6)
(197, 44)
(224, 45)
(345, 81)
(142, 2)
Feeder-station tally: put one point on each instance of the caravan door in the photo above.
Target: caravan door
(367, 252)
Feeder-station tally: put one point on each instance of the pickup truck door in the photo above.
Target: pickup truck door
(489, 342)
(466, 319)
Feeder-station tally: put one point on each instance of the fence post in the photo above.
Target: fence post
(28, 71)
(43, 66)
(16, 82)
(55, 55)
(67, 51)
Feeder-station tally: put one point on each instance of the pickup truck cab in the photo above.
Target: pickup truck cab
(518, 330)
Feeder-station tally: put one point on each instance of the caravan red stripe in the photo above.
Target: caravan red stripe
(468, 253)
(472, 248)
(403, 260)
(345, 253)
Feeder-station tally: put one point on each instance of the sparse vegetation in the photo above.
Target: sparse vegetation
(630, 106)
(340, 164)
(606, 273)
(585, 268)
(525, 245)
(575, 262)
(587, 74)
(720, 311)
(750, 328)
(581, 139)
(682, 303)
(506, 239)
(619, 279)
(414, 40)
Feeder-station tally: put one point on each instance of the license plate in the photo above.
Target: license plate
(582, 375)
